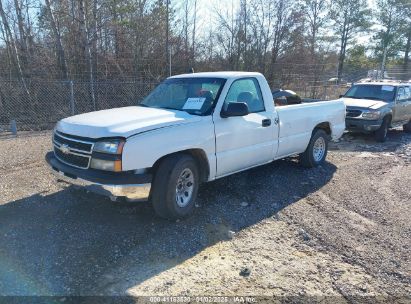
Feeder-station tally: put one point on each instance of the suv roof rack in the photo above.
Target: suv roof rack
(365, 80)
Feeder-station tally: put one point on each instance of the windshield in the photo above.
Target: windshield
(376, 92)
(193, 95)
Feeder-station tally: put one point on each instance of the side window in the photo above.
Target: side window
(246, 90)
(401, 94)
(408, 93)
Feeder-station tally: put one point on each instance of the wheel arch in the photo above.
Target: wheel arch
(199, 156)
(323, 126)
(388, 115)
(307, 158)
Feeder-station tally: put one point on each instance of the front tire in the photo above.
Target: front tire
(381, 134)
(316, 151)
(407, 127)
(175, 187)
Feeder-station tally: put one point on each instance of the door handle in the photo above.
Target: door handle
(266, 122)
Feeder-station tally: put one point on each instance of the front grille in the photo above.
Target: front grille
(73, 144)
(72, 159)
(77, 151)
(353, 113)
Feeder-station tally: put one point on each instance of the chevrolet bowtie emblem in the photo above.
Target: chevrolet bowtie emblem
(65, 149)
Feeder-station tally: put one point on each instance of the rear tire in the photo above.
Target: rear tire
(175, 187)
(316, 151)
(407, 127)
(381, 134)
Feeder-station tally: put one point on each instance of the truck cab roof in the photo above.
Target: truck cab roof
(225, 75)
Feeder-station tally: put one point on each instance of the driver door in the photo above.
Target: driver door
(408, 103)
(400, 112)
(245, 141)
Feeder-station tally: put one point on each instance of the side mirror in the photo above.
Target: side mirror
(235, 109)
(342, 95)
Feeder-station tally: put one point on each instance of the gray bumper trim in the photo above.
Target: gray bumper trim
(138, 192)
(353, 124)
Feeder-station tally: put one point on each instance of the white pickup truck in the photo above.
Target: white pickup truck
(191, 129)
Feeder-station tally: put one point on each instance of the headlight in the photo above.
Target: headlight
(110, 146)
(372, 115)
(108, 162)
(106, 165)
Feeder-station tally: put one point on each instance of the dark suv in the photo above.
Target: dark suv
(374, 107)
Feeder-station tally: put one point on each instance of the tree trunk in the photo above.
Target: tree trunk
(407, 50)
(194, 33)
(168, 51)
(61, 56)
(94, 37)
(11, 44)
(386, 43)
(341, 57)
(86, 45)
(22, 33)
(115, 22)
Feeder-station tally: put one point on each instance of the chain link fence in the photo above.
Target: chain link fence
(322, 92)
(37, 104)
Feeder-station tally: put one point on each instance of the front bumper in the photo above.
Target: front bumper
(362, 125)
(134, 187)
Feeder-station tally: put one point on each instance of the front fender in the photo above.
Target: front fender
(143, 150)
(385, 112)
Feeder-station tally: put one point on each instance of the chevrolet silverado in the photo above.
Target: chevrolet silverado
(192, 128)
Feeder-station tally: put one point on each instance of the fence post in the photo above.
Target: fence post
(72, 97)
(13, 127)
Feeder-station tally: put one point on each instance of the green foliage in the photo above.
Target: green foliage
(357, 58)
(390, 15)
(350, 17)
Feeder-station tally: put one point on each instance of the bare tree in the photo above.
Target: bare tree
(316, 15)
(228, 35)
(194, 31)
(22, 33)
(86, 44)
(282, 26)
(94, 40)
(11, 45)
(61, 56)
(261, 23)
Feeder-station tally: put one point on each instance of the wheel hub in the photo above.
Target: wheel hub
(319, 149)
(184, 188)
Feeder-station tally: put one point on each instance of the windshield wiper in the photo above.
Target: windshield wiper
(169, 108)
(191, 112)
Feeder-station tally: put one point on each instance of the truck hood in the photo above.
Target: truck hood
(364, 103)
(122, 122)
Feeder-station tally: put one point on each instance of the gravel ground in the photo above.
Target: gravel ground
(342, 229)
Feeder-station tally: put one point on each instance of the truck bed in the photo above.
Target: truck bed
(297, 122)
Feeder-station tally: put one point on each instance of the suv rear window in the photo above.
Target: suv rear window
(367, 91)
